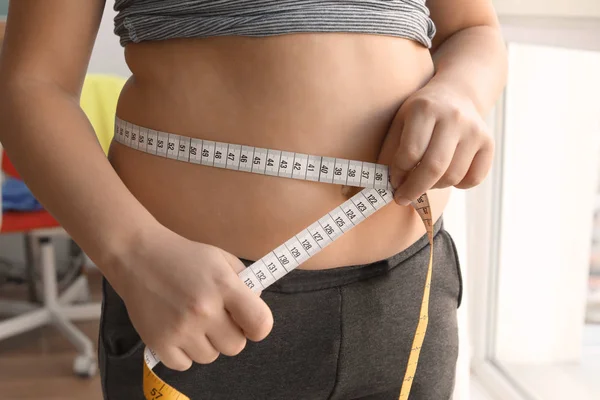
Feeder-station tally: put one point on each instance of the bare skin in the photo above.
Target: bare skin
(168, 235)
(330, 95)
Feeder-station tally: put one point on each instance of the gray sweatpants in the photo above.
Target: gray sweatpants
(342, 333)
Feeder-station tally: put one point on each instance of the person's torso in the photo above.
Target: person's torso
(329, 94)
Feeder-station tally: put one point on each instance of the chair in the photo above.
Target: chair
(39, 228)
(99, 97)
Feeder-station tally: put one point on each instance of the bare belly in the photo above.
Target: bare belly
(330, 95)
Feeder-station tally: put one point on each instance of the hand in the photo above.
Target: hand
(437, 140)
(187, 302)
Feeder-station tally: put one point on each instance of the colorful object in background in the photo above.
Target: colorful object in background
(99, 99)
(16, 196)
(3, 8)
(593, 303)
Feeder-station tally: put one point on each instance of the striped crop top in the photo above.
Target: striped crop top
(141, 20)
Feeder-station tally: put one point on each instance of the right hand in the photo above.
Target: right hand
(187, 302)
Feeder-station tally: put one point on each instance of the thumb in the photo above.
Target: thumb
(391, 142)
(390, 146)
(236, 264)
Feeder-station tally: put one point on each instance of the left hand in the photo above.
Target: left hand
(437, 140)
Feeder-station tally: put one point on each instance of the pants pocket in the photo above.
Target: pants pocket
(120, 350)
(118, 335)
(457, 266)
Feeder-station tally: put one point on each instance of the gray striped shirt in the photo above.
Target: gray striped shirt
(140, 20)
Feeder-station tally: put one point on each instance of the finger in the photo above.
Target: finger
(226, 336)
(249, 311)
(463, 157)
(434, 164)
(174, 358)
(482, 162)
(236, 264)
(200, 349)
(414, 140)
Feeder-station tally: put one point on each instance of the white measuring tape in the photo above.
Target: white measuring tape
(275, 265)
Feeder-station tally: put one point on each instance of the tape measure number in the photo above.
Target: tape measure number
(276, 264)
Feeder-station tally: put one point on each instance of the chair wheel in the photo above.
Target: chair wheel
(84, 366)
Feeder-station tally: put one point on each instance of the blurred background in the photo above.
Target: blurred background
(528, 237)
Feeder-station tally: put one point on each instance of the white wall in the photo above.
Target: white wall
(562, 8)
(107, 56)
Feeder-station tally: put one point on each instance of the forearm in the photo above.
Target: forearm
(473, 62)
(54, 148)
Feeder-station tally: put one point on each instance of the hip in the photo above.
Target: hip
(338, 334)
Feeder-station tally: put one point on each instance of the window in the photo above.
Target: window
(530, 302)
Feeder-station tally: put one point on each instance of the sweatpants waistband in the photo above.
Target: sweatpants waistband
(300, 280)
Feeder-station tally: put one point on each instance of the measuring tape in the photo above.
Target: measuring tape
(377, 192)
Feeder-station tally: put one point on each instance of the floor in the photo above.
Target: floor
(477, 392)
(568, 380)
(38, 365)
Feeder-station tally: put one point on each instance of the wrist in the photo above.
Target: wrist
(123, 245)
(448, 91)
(458, 87)
(452, 88)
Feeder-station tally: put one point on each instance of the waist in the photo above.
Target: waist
(331, 96)
(299, 280)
